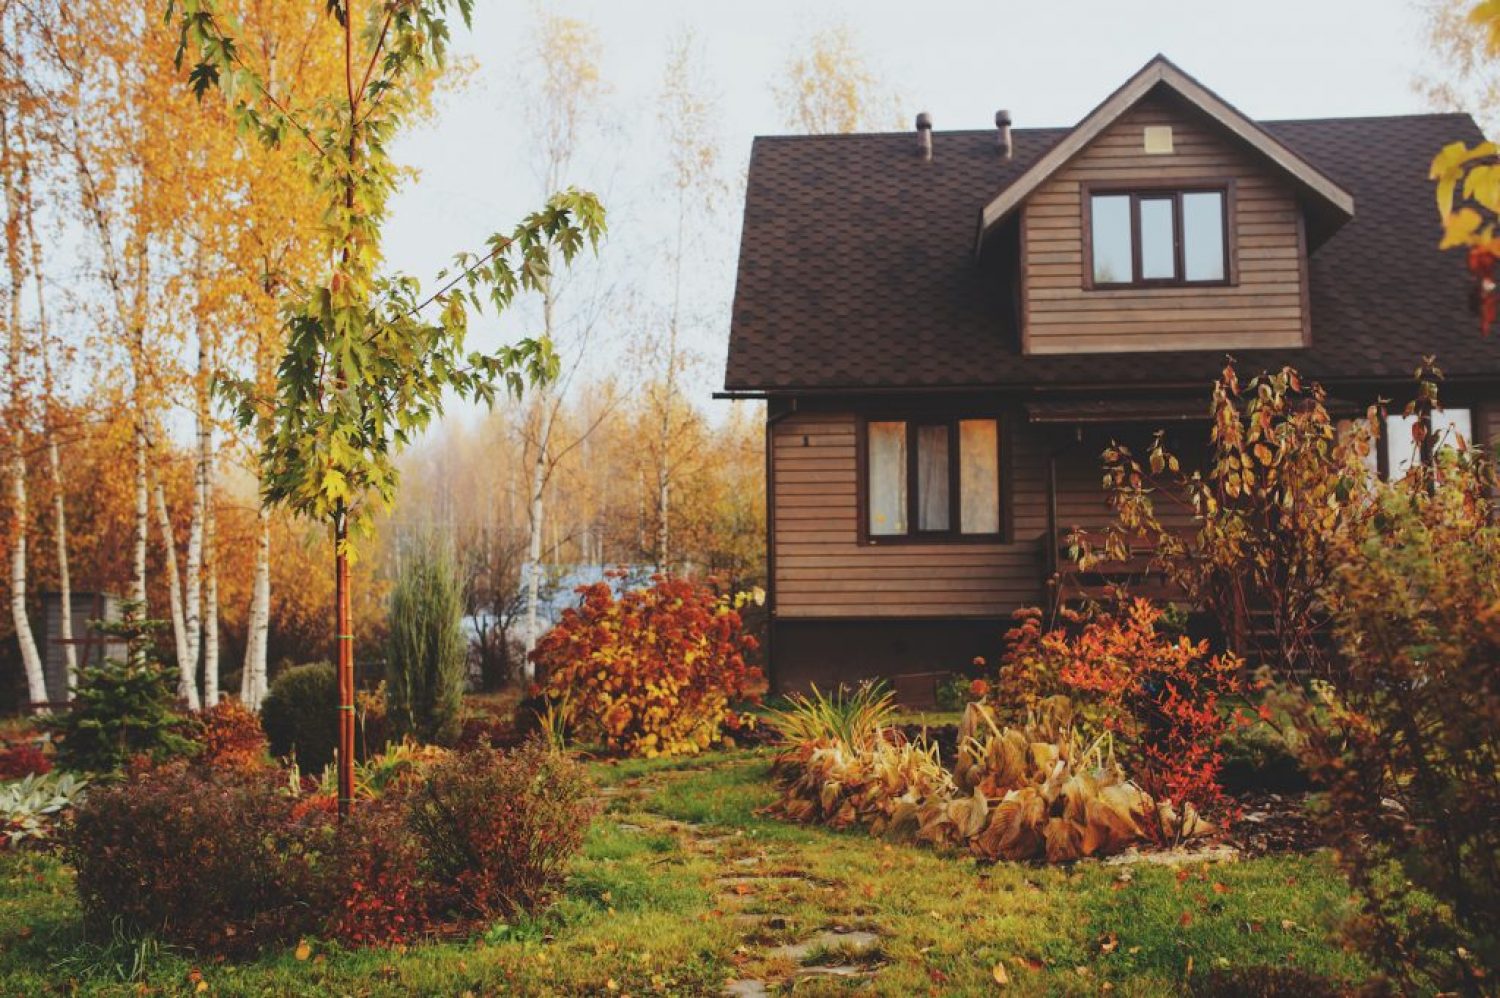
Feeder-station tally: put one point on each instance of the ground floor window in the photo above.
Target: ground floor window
(1396, 452)
(932, 478)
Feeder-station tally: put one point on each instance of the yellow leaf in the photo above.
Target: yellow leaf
(1001, 977)
(303, 950)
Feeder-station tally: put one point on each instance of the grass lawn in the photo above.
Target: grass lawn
(683, 886)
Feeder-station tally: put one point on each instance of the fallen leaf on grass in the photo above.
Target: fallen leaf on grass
(303, 950)
(1109, 943)
(1001, 977)
(1186, 919)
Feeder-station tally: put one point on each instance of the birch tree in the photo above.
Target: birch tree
(687, 110)
(830, 86)
(51, 427)
(18, 414)
(565, 62)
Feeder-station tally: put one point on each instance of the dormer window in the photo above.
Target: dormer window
(1157, 236)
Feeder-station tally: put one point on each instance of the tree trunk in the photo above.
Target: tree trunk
(54, 452)
(253, 676)
(187, 662)
(64, 578)
(345, 636)
(31, 659)
(534, 537)
(211, 586)
(195, 560)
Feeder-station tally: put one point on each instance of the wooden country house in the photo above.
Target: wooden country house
(949, 327)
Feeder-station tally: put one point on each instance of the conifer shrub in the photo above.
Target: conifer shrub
(426, 653)
(122, 710)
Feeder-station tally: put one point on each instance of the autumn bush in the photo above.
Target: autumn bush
(1407, 741)
(229, 859)
(654, 671)
(230, 734)
(213, 859)
(23, 759)
(498, 828)
(372, 886)
(1159, 695)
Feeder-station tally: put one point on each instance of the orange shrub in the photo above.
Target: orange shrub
(652, 672)
(230, 735)
(1159, 696)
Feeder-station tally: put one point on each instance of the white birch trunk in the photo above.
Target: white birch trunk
(193, 588)
(187, 679)
(64, 578)
(31, 659)
(54, 452)
(253, 676)
(534, 537)
(211, 582)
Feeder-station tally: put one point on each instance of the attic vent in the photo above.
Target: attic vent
(1158, 140)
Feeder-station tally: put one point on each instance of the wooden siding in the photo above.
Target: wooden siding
(822, 570)
(1265, 309)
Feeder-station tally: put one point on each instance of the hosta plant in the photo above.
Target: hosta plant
(1043, 790)
(31, 806)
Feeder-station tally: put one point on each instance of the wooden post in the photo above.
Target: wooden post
(345, 633)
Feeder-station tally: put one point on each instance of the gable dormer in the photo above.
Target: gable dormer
(1166, 221)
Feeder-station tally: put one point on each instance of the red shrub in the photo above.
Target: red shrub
(653, 672)
(376, 893)
(22, 760)
(230, 735)
(499, 828)
(213, 859)
(1158, 695)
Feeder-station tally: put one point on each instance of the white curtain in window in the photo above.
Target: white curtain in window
(887, 471)
(1448, 426)
(932, 478)
(979, 476)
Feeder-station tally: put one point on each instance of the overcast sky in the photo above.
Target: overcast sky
(1048, 62)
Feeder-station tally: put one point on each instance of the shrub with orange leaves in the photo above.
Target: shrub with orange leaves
(1159, 696)
(654, 671)
(230, 735)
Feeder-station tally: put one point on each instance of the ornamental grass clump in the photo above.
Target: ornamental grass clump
(654, 671)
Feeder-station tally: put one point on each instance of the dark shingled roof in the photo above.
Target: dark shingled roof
(857, 267)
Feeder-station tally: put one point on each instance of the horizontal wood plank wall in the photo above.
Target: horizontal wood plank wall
(823, 571)
(1265, 310)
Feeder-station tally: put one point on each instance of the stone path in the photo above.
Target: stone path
(753, 893)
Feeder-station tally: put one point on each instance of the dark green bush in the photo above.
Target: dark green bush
(426, 654)
(300, 715)
(1258, 758)
(122, 710)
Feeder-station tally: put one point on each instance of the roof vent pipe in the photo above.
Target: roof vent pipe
(924, 135)
(1002, 135)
